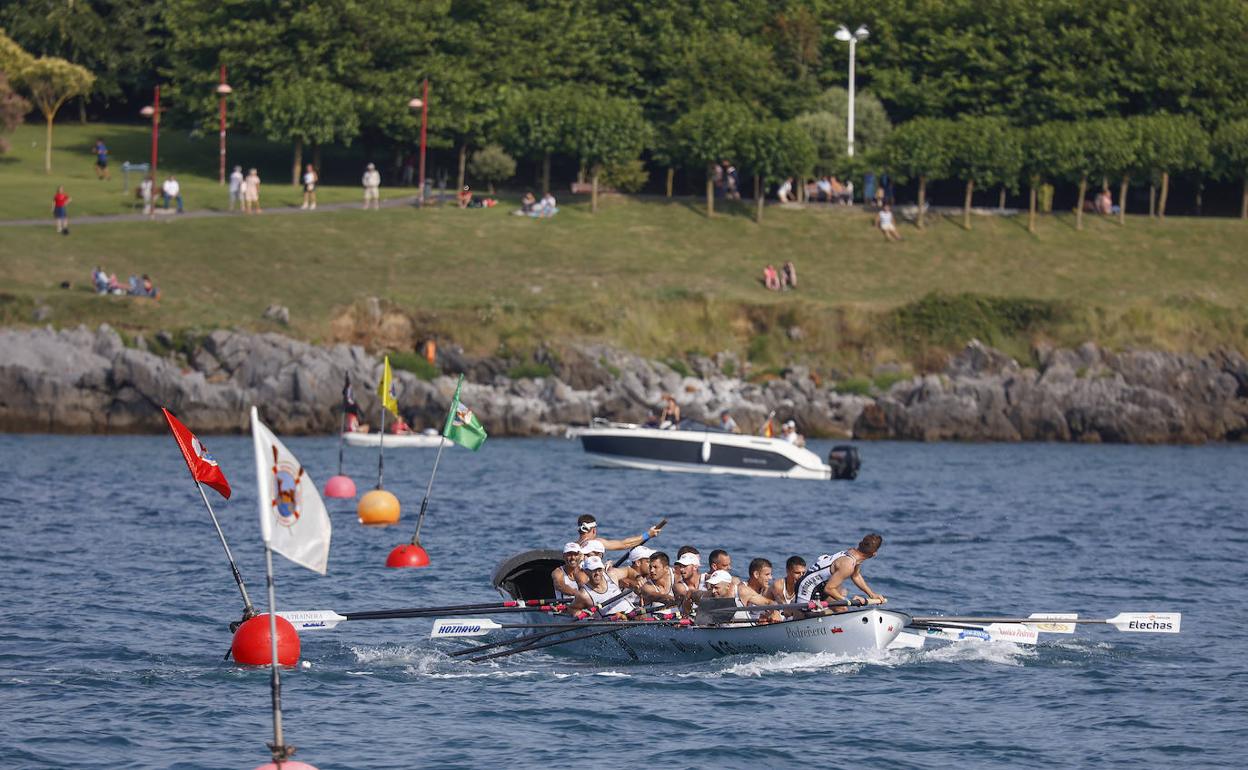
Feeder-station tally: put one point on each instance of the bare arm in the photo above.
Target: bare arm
(861, 582)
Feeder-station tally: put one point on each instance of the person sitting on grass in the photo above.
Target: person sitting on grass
(100, 280)
(527, 204)
(788, 276)
(465, 197)
(547, 208)
(771, 279)
(884, 221)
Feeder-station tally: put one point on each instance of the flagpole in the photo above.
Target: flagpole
(424, 504)
(342, 428)
(248, 610)
(381, 446)
(281, 752)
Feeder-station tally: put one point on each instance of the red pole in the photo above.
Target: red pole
(221, 172)
(424, 123)
(155, 131)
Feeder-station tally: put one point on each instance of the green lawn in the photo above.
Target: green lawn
(654, 276)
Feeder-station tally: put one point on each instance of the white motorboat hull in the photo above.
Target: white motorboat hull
(698, 451)
(393, 441)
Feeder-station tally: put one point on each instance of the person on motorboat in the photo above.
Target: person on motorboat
(727, 424)
(400, 427)
(353, 424)
(657, 586)
(784, 590)
(789, 433)
(588, 528)
(603, 585)
(823, 582)
(670, 416)
(564, 576)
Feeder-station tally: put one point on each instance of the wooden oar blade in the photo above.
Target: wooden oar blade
(1147, 622)
(312, 620)
(448, 628)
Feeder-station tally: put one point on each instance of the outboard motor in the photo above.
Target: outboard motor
(844, 462)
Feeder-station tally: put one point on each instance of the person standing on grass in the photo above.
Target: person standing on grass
(236, 188)
(372, 187)
(147, 191)
(59, 201)
(309, 188)
(101, 159)
(251, 193)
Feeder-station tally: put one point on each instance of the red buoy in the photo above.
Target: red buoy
(251, 645)
(340, 486)
(408, 555)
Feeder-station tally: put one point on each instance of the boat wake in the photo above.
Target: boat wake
(999, 653)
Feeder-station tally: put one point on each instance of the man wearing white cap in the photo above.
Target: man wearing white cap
(789, 433)
(719, 585)
(639, 557)
(587, 526)
(688, 578)
(565, 576)
(602, 586)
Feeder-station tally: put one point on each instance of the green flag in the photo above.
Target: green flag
(462, 426)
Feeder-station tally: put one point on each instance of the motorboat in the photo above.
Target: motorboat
(693, 447)
(850, 633)
(393, 440)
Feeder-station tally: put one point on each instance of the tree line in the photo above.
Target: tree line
(685, 83)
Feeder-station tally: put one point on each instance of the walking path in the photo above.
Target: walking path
(168, 214)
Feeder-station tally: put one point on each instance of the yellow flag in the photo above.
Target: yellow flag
(386, 390)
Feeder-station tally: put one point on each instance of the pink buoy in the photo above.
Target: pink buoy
(289, 764)
(340, 486)
(408, 555)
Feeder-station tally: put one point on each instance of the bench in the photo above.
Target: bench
(586, 188)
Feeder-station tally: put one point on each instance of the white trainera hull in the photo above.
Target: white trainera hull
(698, 451)
(404, 441)
(848, 634)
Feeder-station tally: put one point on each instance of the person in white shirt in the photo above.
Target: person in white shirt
(785, 191)
(546, 207)
(884, 221)
(310, 179)
(372, 187)
(172, 189)
(147, 191)
(236, 188)
(789, 433)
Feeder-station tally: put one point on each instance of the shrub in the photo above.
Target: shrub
(416, 364)
(678, 366)
(854, 386)
(954, 319)
(529, 371)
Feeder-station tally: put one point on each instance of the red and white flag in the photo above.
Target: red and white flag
(202, 465)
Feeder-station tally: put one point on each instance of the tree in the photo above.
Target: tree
(985, 150)
(534, 125)
(306, 112)
(12, 109)
(50, 82)
(1112, 147)
(771, 150)
(920, 150)
(871, 123)
(709, 134)
(493, 164)
(1052, 151)
(1230, 154)
(1170, 144)
(605, 130)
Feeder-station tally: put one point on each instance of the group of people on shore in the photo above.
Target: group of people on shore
(783, 279)
(138, 286)
(590, 584)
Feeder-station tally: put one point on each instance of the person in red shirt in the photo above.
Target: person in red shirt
(59, 202)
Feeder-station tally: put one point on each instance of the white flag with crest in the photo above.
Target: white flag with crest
(293, 519)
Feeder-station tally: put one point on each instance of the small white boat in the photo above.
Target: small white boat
(854, 632)
(692, 447)
(394, 441)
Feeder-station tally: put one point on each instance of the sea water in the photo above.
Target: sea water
(117, 596)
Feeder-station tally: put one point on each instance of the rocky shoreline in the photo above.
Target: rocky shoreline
(92, 381)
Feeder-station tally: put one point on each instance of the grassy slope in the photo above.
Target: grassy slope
(656, 277)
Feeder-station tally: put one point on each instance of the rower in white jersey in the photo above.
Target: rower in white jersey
(719, 585)
(564, 577)
(603, 586)
(824, 580)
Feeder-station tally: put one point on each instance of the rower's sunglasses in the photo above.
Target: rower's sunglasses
(588, 525)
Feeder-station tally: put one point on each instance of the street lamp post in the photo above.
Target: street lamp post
(223, 90)
(423, 104)
(845, 36)
(153, 111)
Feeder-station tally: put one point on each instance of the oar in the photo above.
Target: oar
(526, 639)
(454, 628)
(662, 523)
(553, 642)
(326, 619)
(1132, 622)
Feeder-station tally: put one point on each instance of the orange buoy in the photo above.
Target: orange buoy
(378, 508)
(408, 555)
(340, 486)
(251, 645)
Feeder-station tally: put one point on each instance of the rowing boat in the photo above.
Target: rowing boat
(854, 632)
(393, 441)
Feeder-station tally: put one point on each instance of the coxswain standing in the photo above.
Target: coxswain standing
(588, 528)
(603, 585)
(564, 576)
(824, 581)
